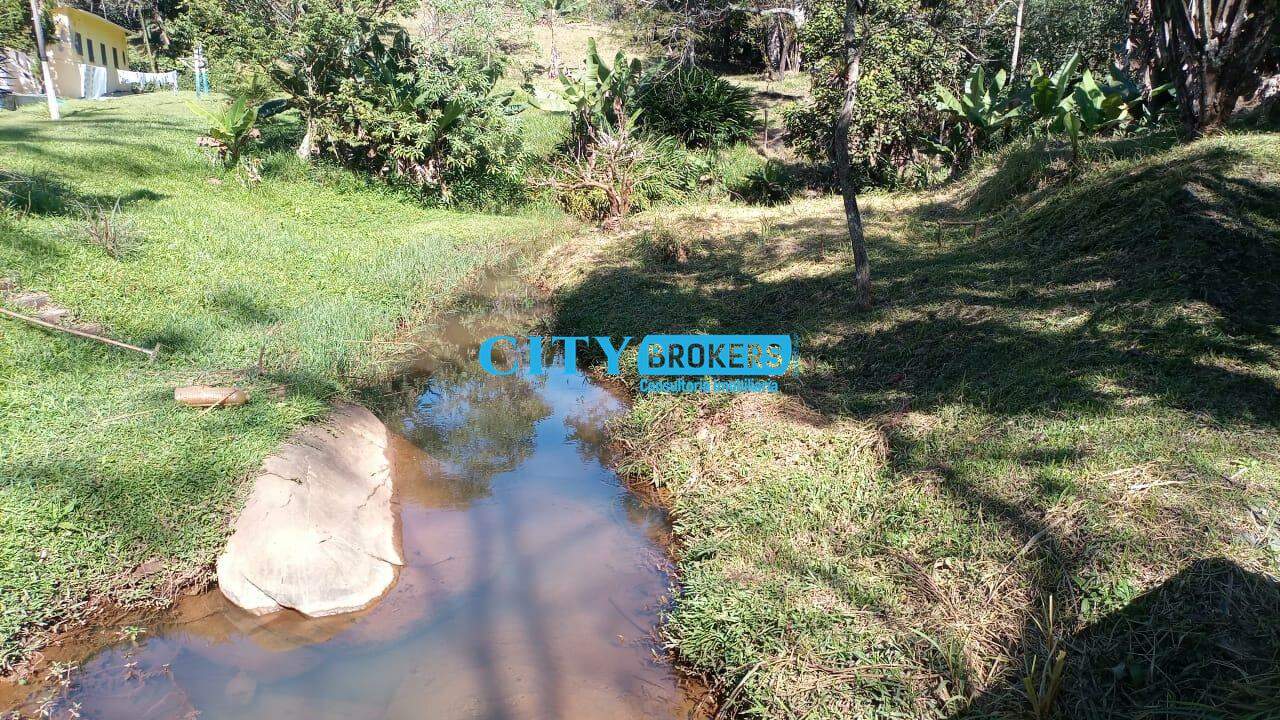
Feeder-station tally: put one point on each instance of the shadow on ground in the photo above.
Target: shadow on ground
(1149, 283)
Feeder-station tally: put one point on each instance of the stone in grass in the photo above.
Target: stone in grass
(32, 300)
(55, 315)
(318, 532)
(91, 328)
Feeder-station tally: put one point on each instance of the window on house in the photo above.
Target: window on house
(79, 44)
(103, 48)
(115, 58)
(90, 44)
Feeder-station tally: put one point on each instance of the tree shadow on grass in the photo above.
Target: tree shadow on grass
(1154, 283)
(1203, 644)
(1040, 315)
(45, 194)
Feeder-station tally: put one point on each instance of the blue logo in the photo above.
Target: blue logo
(719, 355)
(751, 361)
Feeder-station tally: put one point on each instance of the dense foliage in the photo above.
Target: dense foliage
(1069, 101)
(608, 169)
(402, 111)
(15, 25)
(694, 105)
(904, 56)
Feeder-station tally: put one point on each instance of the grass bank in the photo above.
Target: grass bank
(108, 491)
(1048, 454)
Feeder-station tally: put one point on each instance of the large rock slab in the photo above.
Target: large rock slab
(318, 533)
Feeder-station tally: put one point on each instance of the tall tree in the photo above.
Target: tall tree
(1211, 50)
(847, 82)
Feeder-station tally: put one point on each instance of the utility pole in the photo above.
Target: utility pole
(49, 92)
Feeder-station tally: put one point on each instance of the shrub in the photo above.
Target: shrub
(663, 245)
(695, 105)
(904, 57)
(231, 129)
(620, 174)
(598, 99)
(107, 228)
(407, 113)
(769, 184)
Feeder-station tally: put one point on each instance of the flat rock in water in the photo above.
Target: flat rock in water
(318, 532)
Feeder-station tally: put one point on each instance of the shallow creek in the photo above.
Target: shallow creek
(531, 584)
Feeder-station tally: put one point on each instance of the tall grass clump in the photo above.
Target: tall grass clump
(695, 105)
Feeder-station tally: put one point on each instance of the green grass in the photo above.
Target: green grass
(1082, 404)
(309, 271)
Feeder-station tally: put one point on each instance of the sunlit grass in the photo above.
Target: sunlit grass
(290, 282)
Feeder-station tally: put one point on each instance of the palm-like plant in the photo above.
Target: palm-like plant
(599, 97)
(230, 128)
(983, 105)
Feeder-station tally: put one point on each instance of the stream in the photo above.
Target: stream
(531, 587)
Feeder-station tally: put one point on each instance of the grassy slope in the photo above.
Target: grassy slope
(1082, 404)
(99, 470)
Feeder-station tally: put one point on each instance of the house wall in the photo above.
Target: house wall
(70, 58)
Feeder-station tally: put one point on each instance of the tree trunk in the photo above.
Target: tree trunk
(773, 43)
(165, 40)
(1210, 49)
(307, 147)
(146, 39)
(50, 94)
(1017, 39)
(840, 153)
(555, 51)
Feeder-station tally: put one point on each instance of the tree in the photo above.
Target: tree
(1212, 50)
(783, 25)
(143, 8)
(38, 26)
(854, 12)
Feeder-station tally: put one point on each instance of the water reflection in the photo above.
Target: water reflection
(530, 586)
(477, 426)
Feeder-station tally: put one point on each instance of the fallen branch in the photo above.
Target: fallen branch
(151, 354)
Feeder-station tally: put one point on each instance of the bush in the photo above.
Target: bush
(903, 59)
(407, 113)
(771, 183)
(694, 105)
(231, 129)
(620, 174)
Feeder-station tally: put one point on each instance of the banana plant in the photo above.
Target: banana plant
(982, 104)
(1099, 108)
(598, 97)
(230, 128)
(1139, 109)
(1048, 95)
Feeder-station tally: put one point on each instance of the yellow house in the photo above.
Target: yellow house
(86, 53)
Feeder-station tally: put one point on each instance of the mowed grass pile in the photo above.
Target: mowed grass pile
(1059, 439)
(108, 490)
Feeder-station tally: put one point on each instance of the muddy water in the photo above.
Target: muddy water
(530, 589)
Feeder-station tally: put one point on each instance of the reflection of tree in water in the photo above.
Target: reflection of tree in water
(588, 426)
(475, 424)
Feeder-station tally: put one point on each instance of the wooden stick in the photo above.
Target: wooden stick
(151, 354)
(223, 399)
